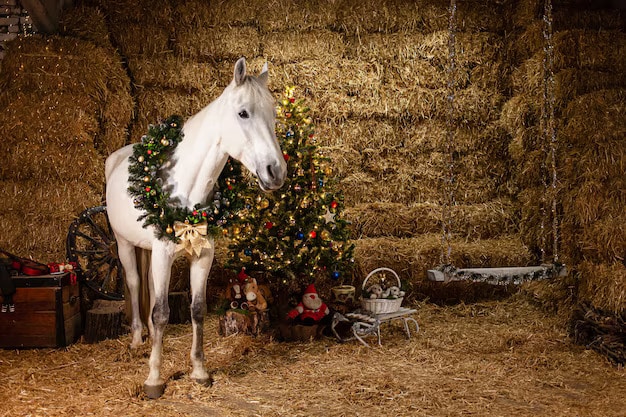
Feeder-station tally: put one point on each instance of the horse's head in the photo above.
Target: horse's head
(250, 118)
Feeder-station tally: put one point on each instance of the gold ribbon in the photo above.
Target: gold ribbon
(193, 237)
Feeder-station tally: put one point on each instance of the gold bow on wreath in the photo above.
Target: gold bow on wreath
(193, 237)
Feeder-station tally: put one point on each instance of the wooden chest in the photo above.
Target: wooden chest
(47, 312)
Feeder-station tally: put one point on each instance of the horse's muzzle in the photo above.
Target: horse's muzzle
(272, 177)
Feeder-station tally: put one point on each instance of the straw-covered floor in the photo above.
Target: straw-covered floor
(486, 359)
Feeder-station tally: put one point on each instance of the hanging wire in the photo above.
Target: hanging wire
(450, 182)
(550, 143)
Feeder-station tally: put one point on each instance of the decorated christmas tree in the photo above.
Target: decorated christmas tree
(296, 235)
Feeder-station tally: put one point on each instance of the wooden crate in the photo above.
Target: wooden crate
(47, 312)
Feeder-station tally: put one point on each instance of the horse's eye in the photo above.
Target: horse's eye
(244, 114)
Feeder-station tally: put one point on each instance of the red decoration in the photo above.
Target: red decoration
(65, 267)
(269, 225)
(149, 152)
(292, 100)
(313, 234)
(148, 189)
(286, 156)
(333, 204)
(242, 276)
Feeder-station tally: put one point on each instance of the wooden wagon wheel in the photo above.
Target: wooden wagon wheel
(91, 244)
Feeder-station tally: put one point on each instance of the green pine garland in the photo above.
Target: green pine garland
(146, 171)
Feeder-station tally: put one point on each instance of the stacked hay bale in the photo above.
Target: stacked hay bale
(376, 79)
(590, 99)
(64, 105)
(374, 75)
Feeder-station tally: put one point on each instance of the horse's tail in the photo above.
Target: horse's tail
(144, 257)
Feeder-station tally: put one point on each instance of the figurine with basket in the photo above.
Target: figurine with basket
(381, 293)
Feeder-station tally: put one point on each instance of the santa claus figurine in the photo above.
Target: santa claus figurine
(311, 309)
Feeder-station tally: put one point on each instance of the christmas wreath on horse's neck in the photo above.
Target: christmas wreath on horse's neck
(149, 165)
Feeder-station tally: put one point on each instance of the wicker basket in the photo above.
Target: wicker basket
(381, 305)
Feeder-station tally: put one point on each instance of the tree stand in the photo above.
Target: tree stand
(104, 321)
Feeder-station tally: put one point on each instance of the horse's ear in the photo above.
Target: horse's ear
(264, 75)
(240, 71)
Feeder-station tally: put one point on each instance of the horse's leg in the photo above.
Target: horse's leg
(128, 258)
(198, 274)
(162, 260)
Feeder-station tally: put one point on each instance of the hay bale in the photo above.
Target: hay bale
(409, 135)
(148, 12)
(472, 105)
(39, 238)
(296, 15)
(199, 13)
(385, 46)
(290, 46)
(85, 22)
(55, 118)
(210, 43)
(54, 64)
(603, 285)
(472, 48)
(344, 160)
(57, 199)
(596, 118)
(525, 12)
(334, 89)
(605, 239)
(601, 162)
(585, 49)
(523, 46)
(35, 218)
(173, 72)
(568, 83)
(476, 221)
(140, 39)
(51, 162)
(535, 207)
(71, 88)
(518, 114)
(362, 187)
(574, 18)
(356, 17)
(586, 203)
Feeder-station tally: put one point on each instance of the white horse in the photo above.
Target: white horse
(239, 123)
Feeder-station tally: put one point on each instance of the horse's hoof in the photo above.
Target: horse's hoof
(154, 391)
(207, 382)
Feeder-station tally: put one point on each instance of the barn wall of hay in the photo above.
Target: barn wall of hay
(374, 75)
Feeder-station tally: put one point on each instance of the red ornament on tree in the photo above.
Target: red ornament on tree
(333, 204)
(269, 225)
(313, 234)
